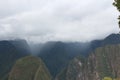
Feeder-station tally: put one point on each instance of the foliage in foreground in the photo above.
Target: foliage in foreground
(117, 4)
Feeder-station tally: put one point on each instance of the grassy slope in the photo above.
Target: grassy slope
(27, 68)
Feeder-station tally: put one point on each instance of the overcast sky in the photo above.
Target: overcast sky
(63, 20)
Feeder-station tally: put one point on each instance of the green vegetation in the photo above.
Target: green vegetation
(117, 4)
(107, 78)
(29, 68)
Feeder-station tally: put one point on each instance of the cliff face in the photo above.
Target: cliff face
(104, 62)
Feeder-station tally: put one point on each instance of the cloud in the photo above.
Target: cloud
(63, 20)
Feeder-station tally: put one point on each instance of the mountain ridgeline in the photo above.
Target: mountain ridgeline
(57, 55)
(95, 60)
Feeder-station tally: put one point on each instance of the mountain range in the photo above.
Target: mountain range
(61, 57)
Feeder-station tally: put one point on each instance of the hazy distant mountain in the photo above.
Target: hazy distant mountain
(57, 55)
(10, 51)
(111, 39)
(22, 46)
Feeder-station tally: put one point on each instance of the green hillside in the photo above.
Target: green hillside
(29, 68)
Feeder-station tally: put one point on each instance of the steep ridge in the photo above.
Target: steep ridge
(101, 64)
(21, 45)
(29, 68)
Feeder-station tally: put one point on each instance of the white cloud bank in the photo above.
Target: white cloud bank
(63, 20)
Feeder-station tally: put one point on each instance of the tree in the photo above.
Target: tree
(117, 4)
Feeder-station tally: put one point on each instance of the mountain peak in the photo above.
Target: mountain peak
(113, 36)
